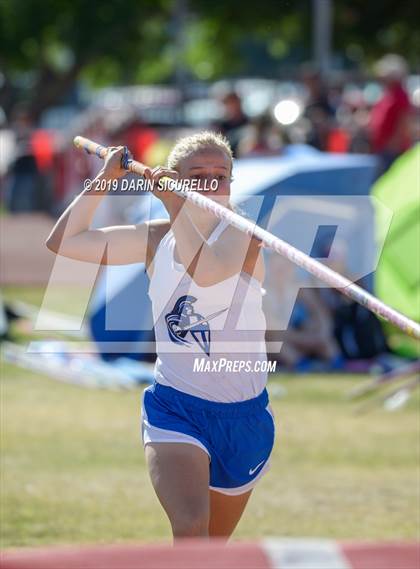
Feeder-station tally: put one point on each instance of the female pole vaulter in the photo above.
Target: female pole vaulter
(207, 426)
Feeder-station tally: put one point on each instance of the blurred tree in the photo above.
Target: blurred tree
(365, 31)
(224, 36)
(45, 45)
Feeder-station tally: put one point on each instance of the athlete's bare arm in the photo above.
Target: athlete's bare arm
(115, 245)
(230, 254)
(208, 264)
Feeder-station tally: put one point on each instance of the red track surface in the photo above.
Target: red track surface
(197, 554)
(24, 258)
(384, 555)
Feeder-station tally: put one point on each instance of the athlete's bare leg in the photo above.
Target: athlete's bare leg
(225, 513)
(180, 476)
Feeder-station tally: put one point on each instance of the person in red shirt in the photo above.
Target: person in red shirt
(389, 122)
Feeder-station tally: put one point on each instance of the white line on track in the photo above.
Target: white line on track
(304, 554)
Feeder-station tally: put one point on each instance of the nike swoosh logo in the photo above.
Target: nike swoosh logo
(252, 470)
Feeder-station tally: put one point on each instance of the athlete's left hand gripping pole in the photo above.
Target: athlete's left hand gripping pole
(101, 151)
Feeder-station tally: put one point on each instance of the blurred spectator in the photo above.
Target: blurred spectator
(261, 137)
(43, 148)
(357, 331)
(389, 122)
(8, 314)
(318, 110)
(335, 93)
(4, 326)
(128, 129)
(24, 191)
(358, 129)
(7, 142)
(71, 168)
(234, 119)
(338, 140)
(310, 330)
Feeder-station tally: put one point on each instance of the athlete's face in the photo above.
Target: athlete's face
(212, 169)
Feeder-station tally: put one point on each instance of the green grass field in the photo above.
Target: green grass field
(73, 468)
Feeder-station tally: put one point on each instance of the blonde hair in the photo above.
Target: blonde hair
(189, 145)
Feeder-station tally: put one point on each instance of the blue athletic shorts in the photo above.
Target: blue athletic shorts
(238, 437)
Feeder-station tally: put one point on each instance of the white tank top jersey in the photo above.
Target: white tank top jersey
(210, 341)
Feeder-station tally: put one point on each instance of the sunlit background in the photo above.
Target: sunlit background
(320, 103)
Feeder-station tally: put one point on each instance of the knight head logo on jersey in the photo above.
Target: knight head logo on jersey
(185, 325)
